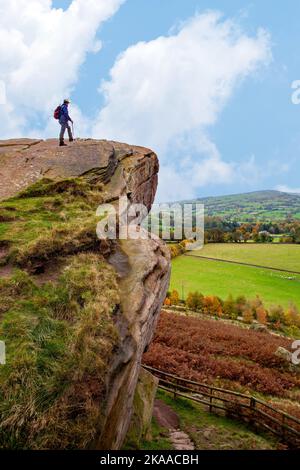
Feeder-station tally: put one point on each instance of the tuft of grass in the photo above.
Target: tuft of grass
(69, 186)
(59, 342)
(59, 241)
(50, 219)
(18, 286)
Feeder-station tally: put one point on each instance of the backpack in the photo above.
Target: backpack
(57, 113)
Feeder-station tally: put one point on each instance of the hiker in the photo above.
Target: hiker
(64, 118)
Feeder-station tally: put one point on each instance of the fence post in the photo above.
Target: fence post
(252, 409)
(283, 428)
(211, 400)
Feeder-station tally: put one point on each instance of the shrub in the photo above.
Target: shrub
(194, 301)
(276, 314)
(230, 308)
(292, 316)
(221, 354)
(248, 316)
(174, 297)
(212, 305)
(261, 315)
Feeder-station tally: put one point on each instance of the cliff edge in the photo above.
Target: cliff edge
(76, 312)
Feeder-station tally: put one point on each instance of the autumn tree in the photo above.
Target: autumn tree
(276, 314)
(292, 316)
(261, 315)
(174, 297)
(248, 314)
(229, 308)
(194, 301)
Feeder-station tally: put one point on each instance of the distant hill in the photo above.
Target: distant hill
(258, 205)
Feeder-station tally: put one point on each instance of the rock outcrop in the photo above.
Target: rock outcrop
(143, 266)
(143, 404)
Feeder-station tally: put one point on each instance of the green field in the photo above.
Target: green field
(277, 256)
(219, 278)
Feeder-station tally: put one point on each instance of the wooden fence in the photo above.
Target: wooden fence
(237, 405)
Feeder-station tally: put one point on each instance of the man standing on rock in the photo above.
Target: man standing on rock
(64, 119)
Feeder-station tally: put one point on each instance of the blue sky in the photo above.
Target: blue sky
(247, 137)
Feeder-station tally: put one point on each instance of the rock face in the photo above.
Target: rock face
(140, 426)
(143, 265)
(134, 169)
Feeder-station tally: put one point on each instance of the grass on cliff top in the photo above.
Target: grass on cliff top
(59, 336)
(50, 218)
(59, 342)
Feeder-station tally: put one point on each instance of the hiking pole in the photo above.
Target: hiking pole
(73, 130)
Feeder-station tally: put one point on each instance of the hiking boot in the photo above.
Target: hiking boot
(62, 144)
(71, 140)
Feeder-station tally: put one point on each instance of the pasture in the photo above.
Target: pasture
(218, 278)
(277, 255)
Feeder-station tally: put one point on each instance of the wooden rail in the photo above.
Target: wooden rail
(237, 405)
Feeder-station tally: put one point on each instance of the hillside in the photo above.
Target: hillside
(76, 312)
(254, 206)
(225, 355)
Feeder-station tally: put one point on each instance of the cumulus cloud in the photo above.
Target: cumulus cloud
(41, 51)
(166, 93)
(287, 189)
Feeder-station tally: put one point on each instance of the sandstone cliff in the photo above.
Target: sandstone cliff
(76, 313)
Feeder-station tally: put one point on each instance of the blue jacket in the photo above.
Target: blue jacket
(64, 114)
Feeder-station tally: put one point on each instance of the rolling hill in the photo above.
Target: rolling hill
(254, 206)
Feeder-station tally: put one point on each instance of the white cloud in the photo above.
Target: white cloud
(41, 51)
(166, 93)
(286, 189)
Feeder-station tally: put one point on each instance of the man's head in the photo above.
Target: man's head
(66, 102)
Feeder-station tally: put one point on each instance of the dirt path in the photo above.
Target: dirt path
(167, 418)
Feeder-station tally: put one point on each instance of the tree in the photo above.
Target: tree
(248, 314)
(292, 316)
(174, 297)
(212, 305)
(276, 314)
(229, 308)
(240, 304)
(261, 315)
(194, 301)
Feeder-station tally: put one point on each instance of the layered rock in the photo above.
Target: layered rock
(143, 405)
(143, 266)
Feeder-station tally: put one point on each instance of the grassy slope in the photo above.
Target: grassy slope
(208, 431)
(218, 278)
(60, 335)
(260, 205)
(278, 256)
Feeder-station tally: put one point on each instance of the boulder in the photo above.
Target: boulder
(259, 327)
(284, 354)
